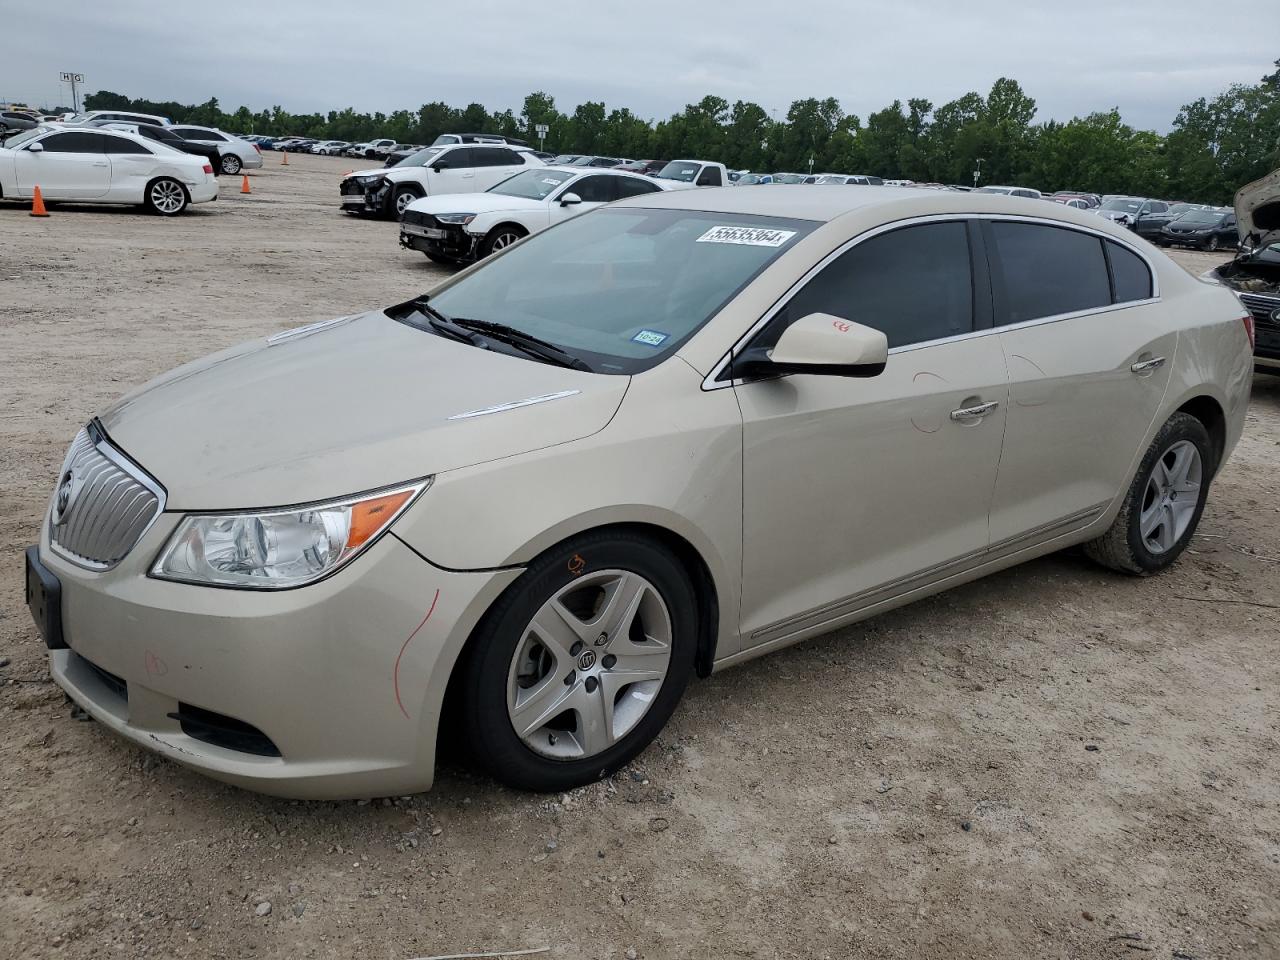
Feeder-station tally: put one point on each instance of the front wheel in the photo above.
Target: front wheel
(401, 199)
(230, 164)
(1163, 505)
(1212, 245)
(166, 197)
(501, 237)
(580, 663)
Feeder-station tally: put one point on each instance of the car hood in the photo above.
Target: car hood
(474, 203)
(346, 406)
(1258, 211)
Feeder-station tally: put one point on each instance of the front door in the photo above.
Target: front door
(858, 489)
(72, 166)
(1089, 356)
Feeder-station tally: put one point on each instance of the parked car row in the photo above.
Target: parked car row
(101, 164)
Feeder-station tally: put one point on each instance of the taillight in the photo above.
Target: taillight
(1247, 319)
(208, 168)
(258, 148)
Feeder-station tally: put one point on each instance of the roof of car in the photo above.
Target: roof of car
(824, 203)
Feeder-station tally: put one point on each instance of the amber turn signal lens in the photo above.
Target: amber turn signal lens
(370, 516)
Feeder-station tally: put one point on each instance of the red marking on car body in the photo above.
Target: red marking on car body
(840, 325)
(395, 673)
(155, 666)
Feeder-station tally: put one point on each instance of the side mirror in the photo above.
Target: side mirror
(819, 344)
(569, 199)
(440, 165)
(36, 147)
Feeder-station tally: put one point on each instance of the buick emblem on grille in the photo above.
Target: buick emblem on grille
(67, 490)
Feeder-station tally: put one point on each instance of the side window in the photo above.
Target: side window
(710, 177)
(459, 158)
(1158, 206)
(1130, 273)
(1047, 270)
(635, 187)
(119, 145)
(596, 189)
(74, 143)
(490, 157)
(915, 284)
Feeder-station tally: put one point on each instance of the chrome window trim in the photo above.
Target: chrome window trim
(710, 382)
(110, 451)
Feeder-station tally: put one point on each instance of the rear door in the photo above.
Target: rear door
(494, 164)
(1089, 354)
(859, 489)
(72, 166)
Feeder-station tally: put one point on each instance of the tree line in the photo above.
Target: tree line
(1216, 144)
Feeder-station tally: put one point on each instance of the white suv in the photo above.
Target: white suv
(458, 168)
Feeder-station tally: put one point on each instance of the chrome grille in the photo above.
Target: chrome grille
(1261, 307)
(103, 503)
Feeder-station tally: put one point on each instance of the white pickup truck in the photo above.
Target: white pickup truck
(454, 168)
(695, 173)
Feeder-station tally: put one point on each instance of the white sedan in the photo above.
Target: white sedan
(103, 166)
(236, 154)
(457, 228)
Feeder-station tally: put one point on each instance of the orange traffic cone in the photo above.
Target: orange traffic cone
(284, 158)
(37, 205)
(244, 185)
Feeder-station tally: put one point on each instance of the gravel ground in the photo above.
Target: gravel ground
(1052, 762)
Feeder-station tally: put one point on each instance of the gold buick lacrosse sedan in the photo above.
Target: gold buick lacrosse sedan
(656, 440)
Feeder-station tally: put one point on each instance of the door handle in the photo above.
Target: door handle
(1142, 366)
(100, 163)
(974, 413)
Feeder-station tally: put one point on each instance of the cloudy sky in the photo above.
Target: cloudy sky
(1147, 57)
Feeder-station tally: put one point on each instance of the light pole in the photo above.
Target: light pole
(977, 171)
(74, 79)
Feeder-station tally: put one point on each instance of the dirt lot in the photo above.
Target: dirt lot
(1053, 762)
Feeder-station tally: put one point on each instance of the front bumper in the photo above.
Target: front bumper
(419, 231)
(343, 679)
(359, 198)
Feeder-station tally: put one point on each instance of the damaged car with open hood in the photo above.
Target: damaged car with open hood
(1255, 272)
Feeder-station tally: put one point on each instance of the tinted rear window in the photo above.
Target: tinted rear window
(1048, 270)
(1131, 275)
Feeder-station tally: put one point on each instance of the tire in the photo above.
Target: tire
(166, 197)
(1169, 527)
(1212, 245)
(510, 676)
(401, 197)
(501, 237)
(230, 164)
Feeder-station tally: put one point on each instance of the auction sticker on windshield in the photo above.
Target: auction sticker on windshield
(747, 236)
(650, 338)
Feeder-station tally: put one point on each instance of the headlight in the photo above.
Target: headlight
(458, 218)
(277, 549)
(368, 181)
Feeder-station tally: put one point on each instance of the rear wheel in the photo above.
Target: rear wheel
(1213, 244)
(501, 237)
(230, 164)
(580, 663)
(1164, 502)
(166, 197)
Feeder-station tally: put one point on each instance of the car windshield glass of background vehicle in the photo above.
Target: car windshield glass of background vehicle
(419, 159)
(622, 287)
(532, 184)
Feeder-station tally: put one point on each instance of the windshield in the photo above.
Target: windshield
(622, 288)
(1180, 208)
(419, 159)
(788, 178)
(1201, 216)
(22, 136)
(1123, 204)
(834, 178)
(532, 184)
(680, 170)
(749, 178)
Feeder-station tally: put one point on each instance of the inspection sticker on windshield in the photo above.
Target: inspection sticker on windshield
(747, 236)
(650, 338)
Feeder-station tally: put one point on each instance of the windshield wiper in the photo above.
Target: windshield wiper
(446, 327)
(525, 342)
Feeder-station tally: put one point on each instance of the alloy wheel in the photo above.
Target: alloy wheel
(403, 199)
(589, 665)
(1169, 502)
(504, 239)
(167, 196)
